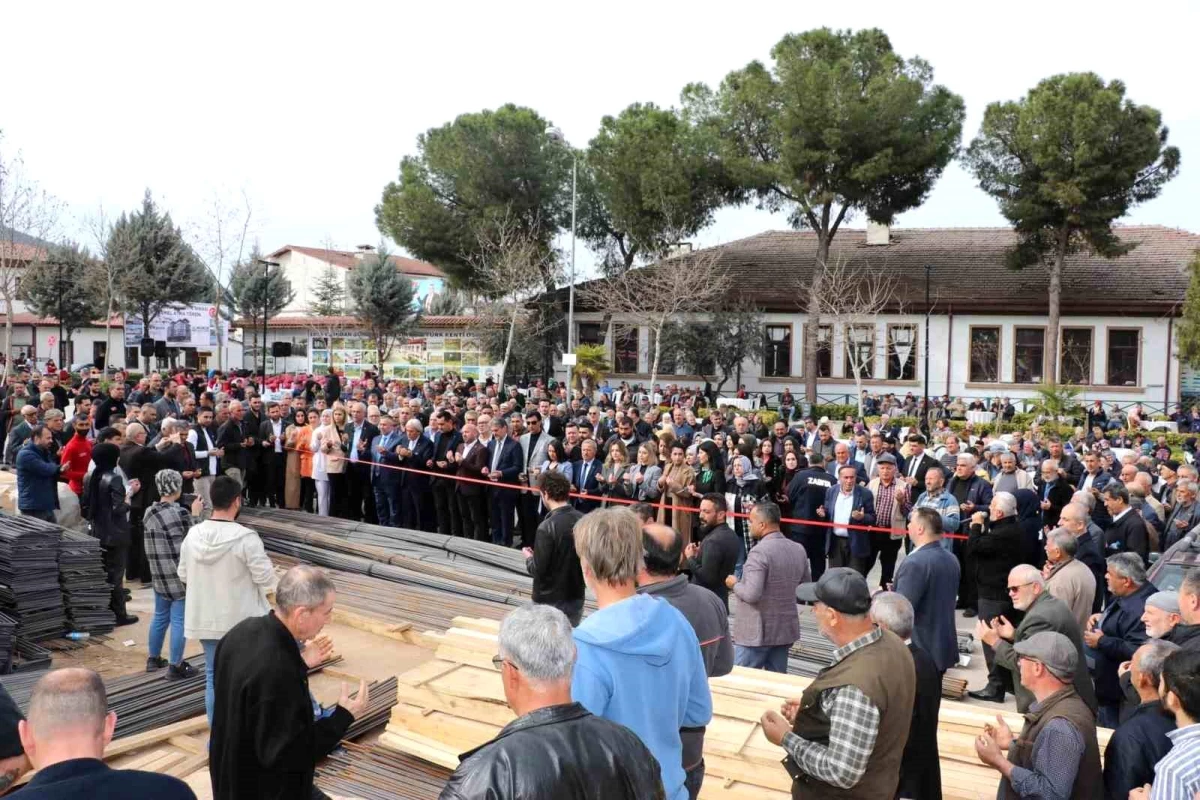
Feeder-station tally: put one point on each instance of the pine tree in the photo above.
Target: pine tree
(256, 289)
(383, 300)
(328, 296)
(58, 287)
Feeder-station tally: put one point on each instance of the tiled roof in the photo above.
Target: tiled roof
(24, 318)
(351, 322)
(346, 258)
(20, 251)
(968, 269)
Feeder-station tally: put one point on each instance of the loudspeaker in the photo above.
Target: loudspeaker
(281, 349)
(147, 347)
(160, 349)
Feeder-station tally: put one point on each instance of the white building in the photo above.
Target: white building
(987, 325)
(305, 266)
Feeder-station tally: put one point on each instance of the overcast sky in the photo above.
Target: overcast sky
(309, 108)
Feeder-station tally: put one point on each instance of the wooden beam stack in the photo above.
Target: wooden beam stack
(455, 702)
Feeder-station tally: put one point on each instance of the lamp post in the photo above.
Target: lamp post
(557, 135)
(925, 416)
(266, 302)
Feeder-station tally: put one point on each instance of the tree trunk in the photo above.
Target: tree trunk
(814, 320)
(654, 364)
(512, 330)
(8, 326)
(1053, 296)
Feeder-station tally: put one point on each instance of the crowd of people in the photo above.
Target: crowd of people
(1044, 540)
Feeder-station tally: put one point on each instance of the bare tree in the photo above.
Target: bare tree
(221, 239)
(852, 299)
(28, 215)
(659, 295)
(512, 266)
(102, 276)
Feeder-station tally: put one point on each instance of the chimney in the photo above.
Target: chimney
(363, 250)
(878, 233)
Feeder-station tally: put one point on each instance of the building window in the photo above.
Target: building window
(902, 352)
(1076, 356)
(777, 356)
(625, 349)
(589, 333)
(985, 355)
(860, 351)
(1029, 355)
(824, 351)
(1124, 347)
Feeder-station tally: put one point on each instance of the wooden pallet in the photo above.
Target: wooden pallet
(455, 703)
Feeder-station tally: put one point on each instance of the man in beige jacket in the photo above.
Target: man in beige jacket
(1068, 579)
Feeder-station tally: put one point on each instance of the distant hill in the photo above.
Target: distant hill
(7, 234)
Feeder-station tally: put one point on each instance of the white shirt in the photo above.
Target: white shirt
(1123, 513)
(1087, 481)
(358, 429)
(468, 447)
(499, 451)
(277, 430)
(841, 513)
(194, 440)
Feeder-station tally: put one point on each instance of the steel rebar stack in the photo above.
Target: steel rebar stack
(29, 587)
(376, 773)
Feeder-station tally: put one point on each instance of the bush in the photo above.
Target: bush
(836, 411)
(768, 416)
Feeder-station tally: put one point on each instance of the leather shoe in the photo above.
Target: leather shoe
(988, 695)
(128, 619)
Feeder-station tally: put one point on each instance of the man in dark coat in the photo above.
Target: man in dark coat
(504, 465)
(470, 459)
(586, 475)
(1053, 492)
(806, 493)
(995, 547)
(927, 578)
(446, 440)
(1127, 533)
(920, 769)
(1141, 740)
(714, 557)
(553, 562)
(416, 502)
(1113, 636)
(265, 742)
(360, 498)
(554, 748)
(973, 493)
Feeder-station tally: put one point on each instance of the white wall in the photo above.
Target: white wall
(949, 343)
(304, 272)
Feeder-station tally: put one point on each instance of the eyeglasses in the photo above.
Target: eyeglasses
(499, 661)
(1015, 589)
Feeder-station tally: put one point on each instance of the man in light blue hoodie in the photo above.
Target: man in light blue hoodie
(639, 660)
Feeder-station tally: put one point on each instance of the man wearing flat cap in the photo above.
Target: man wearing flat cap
(1056, 753)
(845, 736)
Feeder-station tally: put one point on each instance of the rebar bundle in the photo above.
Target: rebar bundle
(29, 587)
(381, 699)
(87, 594)
(375, 773)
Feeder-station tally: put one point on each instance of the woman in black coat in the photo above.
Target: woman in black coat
(105, 504)
(709, 475)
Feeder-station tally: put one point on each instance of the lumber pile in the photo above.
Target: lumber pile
(455, 702)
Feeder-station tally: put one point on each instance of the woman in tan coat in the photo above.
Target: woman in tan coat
(675, 484)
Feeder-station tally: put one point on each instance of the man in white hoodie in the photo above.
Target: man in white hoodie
(227, 575)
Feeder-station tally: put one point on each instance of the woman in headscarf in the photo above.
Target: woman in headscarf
(779, 486)
(1029, 517)
(741, 496)
(105, 504)
(295, 440)
(166, 524)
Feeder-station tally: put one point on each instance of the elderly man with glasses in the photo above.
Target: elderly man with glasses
(1043, 612)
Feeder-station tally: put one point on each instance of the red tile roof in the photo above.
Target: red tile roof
(19, 251)
(346, 258)
(33, 319)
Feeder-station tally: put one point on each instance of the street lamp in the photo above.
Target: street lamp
(557, 135)
(925, 417)
(266, 302)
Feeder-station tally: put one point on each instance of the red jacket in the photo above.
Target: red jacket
(76, 454)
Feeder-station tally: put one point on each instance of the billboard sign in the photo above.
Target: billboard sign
(179, 325)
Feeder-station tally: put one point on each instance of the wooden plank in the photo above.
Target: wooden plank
(131, 743)
(188, 744)
(188, 765)
(400, 631)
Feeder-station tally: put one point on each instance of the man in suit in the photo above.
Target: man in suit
(256, 473)
(446, 440)
(1053, 492)
(847, 504)
(972, 493)
(533, 454)
(386, 482)
(233, 439)
(928, 577)
(1092, 479)
(1043, 612)
(274, 456)
(1183, 517)
(1069, 464)
(504, 465)
(586, 475)
(1127, 533)
(360, 499)
(918, 462)
(470, 459)
(920, 768)
(416, 453)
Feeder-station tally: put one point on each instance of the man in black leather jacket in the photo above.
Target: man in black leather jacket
(554, 748)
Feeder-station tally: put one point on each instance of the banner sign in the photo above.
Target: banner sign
(191, 325)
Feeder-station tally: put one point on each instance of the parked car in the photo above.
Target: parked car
(1168, 571)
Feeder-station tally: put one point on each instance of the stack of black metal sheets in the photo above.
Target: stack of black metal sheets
(87, 593)
(8, 641)
(29, 587)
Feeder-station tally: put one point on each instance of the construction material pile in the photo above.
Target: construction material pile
(29, 587)
(87, 593)
(377, 773)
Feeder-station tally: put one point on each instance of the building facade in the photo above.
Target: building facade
(987, 332)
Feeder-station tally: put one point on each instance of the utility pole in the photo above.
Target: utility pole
(266, 300)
